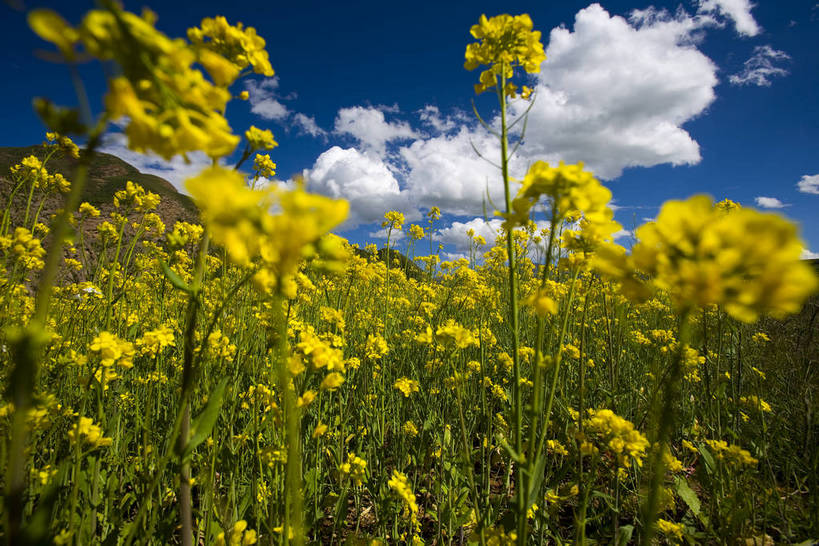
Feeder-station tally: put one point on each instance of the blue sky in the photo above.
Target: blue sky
(371, 101)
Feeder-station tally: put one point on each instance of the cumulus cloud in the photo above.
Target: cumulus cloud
(809, 183)
(759, 69)
(809, 255)
(364, 180)
(445, 171)
(371, 129)
(455, 235)
(739, 11)
(769, 203)
(615, 93)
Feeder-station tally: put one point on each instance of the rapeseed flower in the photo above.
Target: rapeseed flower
(505, 42)
(746, 261)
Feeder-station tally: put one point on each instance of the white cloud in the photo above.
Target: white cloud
(809, 184)
(737, 10)
(431, 116)
(809, 255)
(263, 99)
(619, 234)
(308, 125)
(265, 102)
(371, 129)
(759, 69)
(456, 236)
(364, 180)
(615, 93)
(445, 171)
(769, 203)
(176, 171)
(382, 234)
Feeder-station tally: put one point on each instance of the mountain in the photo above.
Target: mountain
(107, 174)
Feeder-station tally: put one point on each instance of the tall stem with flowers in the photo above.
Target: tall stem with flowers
(506, 45)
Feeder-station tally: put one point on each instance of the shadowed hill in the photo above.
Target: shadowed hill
(107, 174)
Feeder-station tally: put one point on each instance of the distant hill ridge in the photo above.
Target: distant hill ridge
(107, 174)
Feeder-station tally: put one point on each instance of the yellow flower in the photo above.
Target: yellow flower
(406, 386)
(320, 430)
(134, 197)
(400, 484)
(89, 433)
(355, 467)
(306, 399)
(260, 139)
(541, 303)
(731, 454)
(670, 529)
(506, 42)
(171, 108)
(393, 220)
(746, 261)
(410, 429)
(332, 381)
(153, 341)
(376, 347)
(241, 46)
(616, 435)
(452, 334)
(87, 210)
(572, 191)
(111, 349)
(49, 26)
(264, 166)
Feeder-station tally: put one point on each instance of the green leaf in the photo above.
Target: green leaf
(175, 279)
(710, 465)
(203, 423)
(687, 494)
(536, 479)
(624, 533)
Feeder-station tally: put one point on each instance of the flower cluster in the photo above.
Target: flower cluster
(240, 46)
(616, 435)
(506, 42)
(733, 455)
(153, 341)
(86, 431)
(355, 467)
(239, 535)
(134, 197)
(744, 260)
(170, 106)
(452, 334)
(239, 219)
(406, 386)
(572, 192)
(400, 484)
(264, 166)
(25, 247)
(113, 350)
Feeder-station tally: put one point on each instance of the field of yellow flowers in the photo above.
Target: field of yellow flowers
(255, 379)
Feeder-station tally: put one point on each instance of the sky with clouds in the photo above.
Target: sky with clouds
(370, 101)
